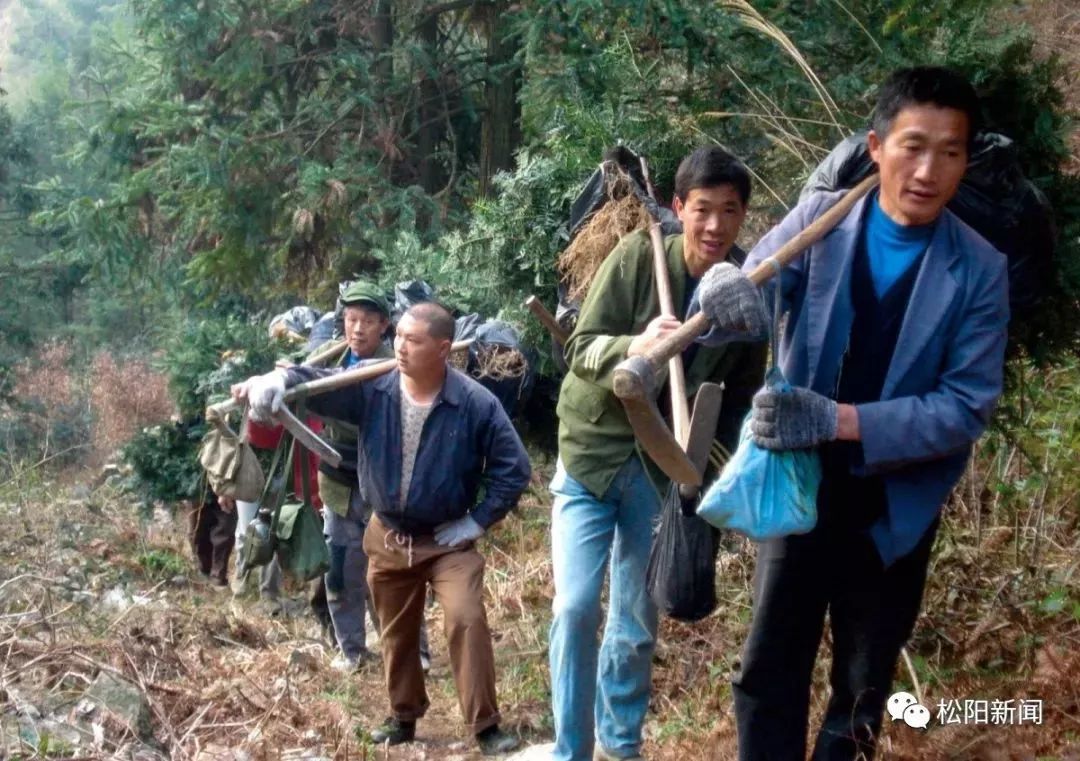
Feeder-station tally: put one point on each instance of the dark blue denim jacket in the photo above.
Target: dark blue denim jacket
(467, 441)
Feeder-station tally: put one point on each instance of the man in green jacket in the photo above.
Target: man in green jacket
(606, 492)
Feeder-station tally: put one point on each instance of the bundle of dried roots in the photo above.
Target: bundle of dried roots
(620, 215)
(499, 363)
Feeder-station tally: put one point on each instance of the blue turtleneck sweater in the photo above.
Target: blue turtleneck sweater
(890, 247)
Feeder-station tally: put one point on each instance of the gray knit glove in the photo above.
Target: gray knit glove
(793, 418)
(734, 306)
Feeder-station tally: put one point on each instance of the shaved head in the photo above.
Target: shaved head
(439, 321)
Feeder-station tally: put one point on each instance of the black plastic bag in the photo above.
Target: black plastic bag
(994, 197)
(408, 294)
(594, 193)
(681, 577)
(465, 326)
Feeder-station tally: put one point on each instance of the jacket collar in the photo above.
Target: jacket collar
(452, 392)
(382, 352)
(830, 312)
(828, 293)
(707, 357)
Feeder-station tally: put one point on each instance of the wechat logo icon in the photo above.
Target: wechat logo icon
(903, 706)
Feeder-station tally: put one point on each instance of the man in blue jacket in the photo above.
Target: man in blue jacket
(894, 343)
(429, 438)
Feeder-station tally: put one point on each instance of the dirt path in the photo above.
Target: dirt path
(110, 647)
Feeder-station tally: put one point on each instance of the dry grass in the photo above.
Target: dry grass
(459, 359)
(97, 409)
(1056, 24)
(1001, 611)
(215, 675)
(218, 676)
(47, 376)
(752, 19)
(621, 215)
(47, 425)
(990, 629)
(500, 363)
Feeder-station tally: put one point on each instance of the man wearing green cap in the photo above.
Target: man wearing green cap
(366, 319)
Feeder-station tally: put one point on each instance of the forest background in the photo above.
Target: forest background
(173, 173)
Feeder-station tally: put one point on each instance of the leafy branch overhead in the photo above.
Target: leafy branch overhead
(180, 153)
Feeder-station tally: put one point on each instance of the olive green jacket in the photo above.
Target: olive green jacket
(595, 437)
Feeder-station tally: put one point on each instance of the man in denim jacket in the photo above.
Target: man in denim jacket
(429, 438)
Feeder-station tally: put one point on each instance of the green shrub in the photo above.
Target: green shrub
(162, 563)
(164, 462)
(203, 356)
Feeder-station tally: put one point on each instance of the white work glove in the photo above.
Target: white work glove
(453, 533)
(265, 394)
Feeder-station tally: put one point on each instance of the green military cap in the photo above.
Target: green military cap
(363, 292)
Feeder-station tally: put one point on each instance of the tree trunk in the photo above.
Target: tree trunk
(429, 114)
(382, 37)
(500, 132)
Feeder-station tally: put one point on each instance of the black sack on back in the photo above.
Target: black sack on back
(465, 326)
(410, 293)
(994, 197)
(681, 577)
(511, 391)
(593, 194)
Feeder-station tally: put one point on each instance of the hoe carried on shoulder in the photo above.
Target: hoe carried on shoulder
(636, 380)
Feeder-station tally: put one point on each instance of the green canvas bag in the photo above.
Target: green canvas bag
(301, 546)
(292, 530)
(302, 549)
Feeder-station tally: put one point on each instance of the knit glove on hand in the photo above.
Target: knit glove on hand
(734, 306)
(453, 533)
(265, 394)
(792, 419)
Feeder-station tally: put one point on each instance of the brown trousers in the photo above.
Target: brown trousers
(399, 569)
(211, 532)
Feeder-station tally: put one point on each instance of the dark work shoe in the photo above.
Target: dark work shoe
(494, 741)
(394, 732)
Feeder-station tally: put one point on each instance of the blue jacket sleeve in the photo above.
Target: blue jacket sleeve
(506, 467)
(341, 404)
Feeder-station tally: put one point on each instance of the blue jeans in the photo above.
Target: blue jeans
(608, 685)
